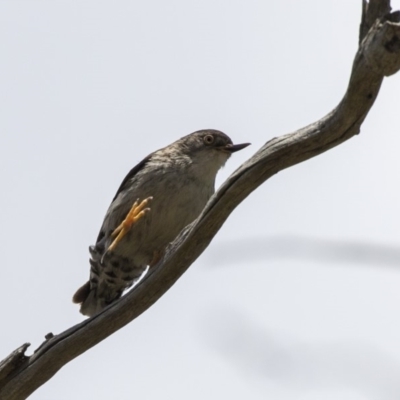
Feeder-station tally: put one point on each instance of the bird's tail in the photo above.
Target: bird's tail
(87, 297)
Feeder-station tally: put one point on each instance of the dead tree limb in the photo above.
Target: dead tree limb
(378, 56)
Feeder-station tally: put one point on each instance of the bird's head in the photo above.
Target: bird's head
(209, 147)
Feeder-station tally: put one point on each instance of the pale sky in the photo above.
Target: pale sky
(297, 297)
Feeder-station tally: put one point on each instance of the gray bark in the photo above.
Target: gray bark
(378, 56)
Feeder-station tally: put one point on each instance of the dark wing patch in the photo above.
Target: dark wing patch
(131, 174)
(126, 180)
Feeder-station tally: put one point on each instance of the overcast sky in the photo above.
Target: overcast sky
(298, 296)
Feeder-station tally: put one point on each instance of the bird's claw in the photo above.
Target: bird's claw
(137, 211)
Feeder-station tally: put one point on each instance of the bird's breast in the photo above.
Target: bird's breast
(177, 201)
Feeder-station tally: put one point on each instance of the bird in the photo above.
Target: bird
(159, 197)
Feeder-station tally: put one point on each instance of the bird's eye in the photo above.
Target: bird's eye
(208, 139)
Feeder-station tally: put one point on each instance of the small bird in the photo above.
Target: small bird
(177, 181)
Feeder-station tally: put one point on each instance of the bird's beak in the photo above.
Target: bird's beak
(235, 147)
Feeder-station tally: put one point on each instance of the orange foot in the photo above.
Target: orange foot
(137, 211)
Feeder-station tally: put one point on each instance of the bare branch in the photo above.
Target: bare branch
(378, 56)
(371, 11)
(12, 362)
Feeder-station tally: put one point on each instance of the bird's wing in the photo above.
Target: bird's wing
(131, 174)
(120, 210)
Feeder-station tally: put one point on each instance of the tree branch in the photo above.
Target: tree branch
(377, 56)
(371, 11)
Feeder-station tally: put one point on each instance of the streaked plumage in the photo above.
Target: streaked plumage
(181, 179)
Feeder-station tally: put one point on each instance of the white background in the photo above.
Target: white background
(297, 298)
